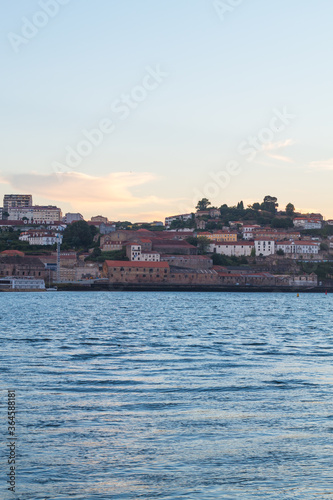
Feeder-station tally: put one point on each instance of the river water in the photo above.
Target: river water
(124, 395)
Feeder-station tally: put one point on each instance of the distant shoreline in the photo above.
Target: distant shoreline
(144, 287)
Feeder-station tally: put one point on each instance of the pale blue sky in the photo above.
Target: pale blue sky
(225, 79)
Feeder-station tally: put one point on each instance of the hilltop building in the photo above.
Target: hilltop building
(16, 201)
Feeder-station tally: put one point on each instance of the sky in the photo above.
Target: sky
(136, 109)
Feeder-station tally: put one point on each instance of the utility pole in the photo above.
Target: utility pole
(58, 258)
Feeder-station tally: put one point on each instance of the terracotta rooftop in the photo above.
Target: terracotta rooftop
(12, 253)
(234, 243)
(121, 263)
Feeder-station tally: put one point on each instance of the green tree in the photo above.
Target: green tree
(240, 205)
(280, 252)
(203, 204)
(270, 204)
(324, 247)
(192, 240)
(79, 235)
(203, 244)
(282, 223)
(290, 209)
(97, 252)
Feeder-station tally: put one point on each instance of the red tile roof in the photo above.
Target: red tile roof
(234, 243)
(11, 253)
(121, 263)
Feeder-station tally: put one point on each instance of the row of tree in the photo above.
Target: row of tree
(269, 204)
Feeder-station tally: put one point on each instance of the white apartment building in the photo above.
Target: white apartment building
(236, 248)
(46, 214)
(16, 201)
(36, 214)
(264, 246)
(298, 247)
(248, 231)
(306, 223)
(181, 217)
(40, 237)
(20, 213)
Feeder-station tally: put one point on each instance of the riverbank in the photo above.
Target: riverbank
(130, 287)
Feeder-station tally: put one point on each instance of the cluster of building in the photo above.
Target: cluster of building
(152, 256)
(167, 257)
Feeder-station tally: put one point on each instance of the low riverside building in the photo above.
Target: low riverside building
(304, 280)
(236, 248)
(250, 278)
(188, 261)
(181, 276)
(22, 266)
(136, 272)
(12, 283)
(71, 267)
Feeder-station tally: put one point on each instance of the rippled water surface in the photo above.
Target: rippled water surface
(168, 395)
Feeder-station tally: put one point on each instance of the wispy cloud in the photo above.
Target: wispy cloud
(321, 164)
(278, 145)
(111, 193)
(270, 149)
(79, 187)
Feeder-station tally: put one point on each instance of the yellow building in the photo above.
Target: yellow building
(220, 235)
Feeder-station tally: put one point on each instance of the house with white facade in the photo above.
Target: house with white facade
(233, 248)
(264, 246)
(36, 237)
(248, 231)
(307, 223)
(180, 217)
(134, 253)
(298, 247)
